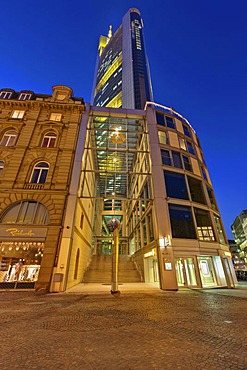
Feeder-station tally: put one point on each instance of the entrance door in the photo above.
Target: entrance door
(185, 272)
(207, 272)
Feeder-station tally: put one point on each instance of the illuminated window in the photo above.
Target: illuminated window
(186, 145)
(56, 117)
(163, 137)
(5, 94)
(8, 138)
(61, 96)
(219, 229)
(26, 212)
(49, 140)
(18, 114)
(24, 96)
(40, 172)
(1, 166)
(204, 225)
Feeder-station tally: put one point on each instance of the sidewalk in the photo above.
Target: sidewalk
(153, 288)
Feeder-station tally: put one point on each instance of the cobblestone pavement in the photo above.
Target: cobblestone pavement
(162, 330)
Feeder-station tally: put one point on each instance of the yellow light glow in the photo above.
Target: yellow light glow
(113, 67)
(116, 102)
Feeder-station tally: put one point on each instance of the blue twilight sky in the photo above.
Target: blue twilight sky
(197, 54)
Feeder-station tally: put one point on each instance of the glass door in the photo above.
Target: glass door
(185, 272)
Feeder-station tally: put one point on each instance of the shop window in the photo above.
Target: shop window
(18, 114)
(186, 162)
(186, 130)
(176, 185)
(212, 198)
(40, 172)
(219, 229)
(163, 138)
(204, 225)
(26, 212)
(24, 96)
(1, 166)
(5, 94)
(196, 190)
(77, 263)
(8, 138)
(56, 117)
(163, 120)
(182, 224)
(49, 140)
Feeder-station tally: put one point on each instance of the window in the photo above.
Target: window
(190, 147)
(49, 140)
(24, 96)
(182, 224)
(186, 145)
(1, 166)
(56, 117)
(196, 190)
(26, 212)
(40, 172)
(163, 120)
(5, 94)
(186, 161)
(212, 198)
(165, 156)
(204, 175)
(163, 137)
(61, 96)
(182, 143)
(204, 225)
(186, 130)
(219, 229)
(18, 114)
(8, 138)
(176, 185)
(171, 158)
(77, 263)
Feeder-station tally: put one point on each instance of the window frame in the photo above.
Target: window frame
(57, 117)
(2, 164)
(166, 121)
(7, 134)
(7, 94)
(50, 138)
(40, 174)
(18, 114)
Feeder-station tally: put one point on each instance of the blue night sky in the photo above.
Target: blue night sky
(197, 55)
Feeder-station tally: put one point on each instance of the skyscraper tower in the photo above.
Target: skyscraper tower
(122, 77)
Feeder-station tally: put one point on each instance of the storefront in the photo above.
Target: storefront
(202, 271)
(21, 252)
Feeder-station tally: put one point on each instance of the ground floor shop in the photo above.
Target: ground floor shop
(192, 271)
(21, 254)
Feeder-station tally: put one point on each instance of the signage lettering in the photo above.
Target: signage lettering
(17, 232)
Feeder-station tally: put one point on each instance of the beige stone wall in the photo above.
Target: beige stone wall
(20, 158)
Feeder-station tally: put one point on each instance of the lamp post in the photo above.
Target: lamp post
(114, 226)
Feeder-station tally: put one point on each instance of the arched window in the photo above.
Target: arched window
(77, 263)
(49, 140)
(8, 138)
(40, 172)
(26, 212)
(1, 166)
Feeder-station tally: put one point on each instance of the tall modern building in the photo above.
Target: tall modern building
(122, 77)
(67, 169)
